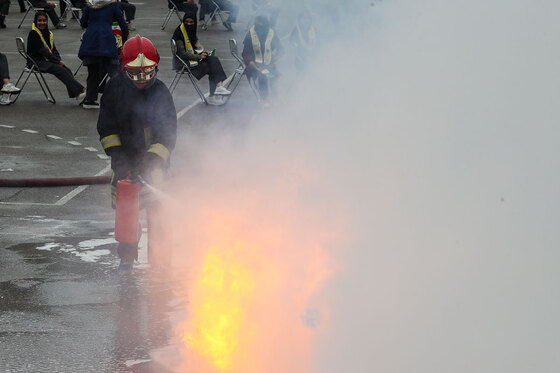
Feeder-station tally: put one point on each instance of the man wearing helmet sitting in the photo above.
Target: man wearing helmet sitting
(137, 126)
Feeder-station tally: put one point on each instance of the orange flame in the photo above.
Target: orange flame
(254, 265)
(225, 287)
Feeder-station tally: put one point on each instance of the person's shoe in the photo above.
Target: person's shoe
(227, 25)
(22, 10)
(81, 97)
(131, 26)
(202, 23)
(5, 99)
(221, 90)
(126, 264)
(10, 88)
(60, 25)
(90, 105)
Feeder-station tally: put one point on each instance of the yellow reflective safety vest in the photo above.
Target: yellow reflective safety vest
(188, 46)
(50, 44)
(310, 41)
(259, 57)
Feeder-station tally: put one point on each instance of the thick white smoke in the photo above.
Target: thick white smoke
(427, 136)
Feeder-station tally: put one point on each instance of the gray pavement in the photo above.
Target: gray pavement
(63, 306)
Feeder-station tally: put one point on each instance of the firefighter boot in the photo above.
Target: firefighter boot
(128, 252)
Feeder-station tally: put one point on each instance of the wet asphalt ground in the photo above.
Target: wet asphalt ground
(63, 305)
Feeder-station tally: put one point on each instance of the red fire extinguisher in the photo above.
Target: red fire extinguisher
(127, 211)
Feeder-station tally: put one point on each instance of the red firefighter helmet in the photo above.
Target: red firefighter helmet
(139, 59)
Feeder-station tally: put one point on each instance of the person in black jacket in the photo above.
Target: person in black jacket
(261, 50)
(137, 128)
(99, 50)
(201, 63)
(41, 48)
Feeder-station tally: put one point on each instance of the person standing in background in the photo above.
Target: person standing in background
(99, 47)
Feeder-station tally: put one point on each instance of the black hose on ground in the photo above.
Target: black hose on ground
(54, 182)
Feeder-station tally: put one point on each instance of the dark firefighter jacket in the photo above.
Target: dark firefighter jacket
(135, 125)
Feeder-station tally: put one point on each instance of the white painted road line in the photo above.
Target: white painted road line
(54, 137)
(184, 111)
(75, 143)
(79, 189)
(30, 131)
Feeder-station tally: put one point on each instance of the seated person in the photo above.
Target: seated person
(41, 48)
(7, 87)
(129, 11)
(303, 38)
(183, 5)
(49, 9)
(261, 49)
(200, 62)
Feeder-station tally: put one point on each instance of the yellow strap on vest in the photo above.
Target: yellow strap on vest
(188, 45)
(310, 34)
(267, 47)
(49, 47)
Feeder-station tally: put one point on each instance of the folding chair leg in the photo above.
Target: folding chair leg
(79, 67)
(45, 88)
(24, 16)
(167, 18)
(198, 90)
(21, 86)
(175, 82)
(104, 80)
(210, 19)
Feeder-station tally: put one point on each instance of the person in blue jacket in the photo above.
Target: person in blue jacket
(99, 47)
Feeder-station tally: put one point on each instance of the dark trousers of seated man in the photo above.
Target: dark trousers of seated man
(4, 9)
(183, 6)
(49, 9)
(64, 74)
(128, 9)
(230, 7)
(4, 71)
(75, 3)
(212, 67)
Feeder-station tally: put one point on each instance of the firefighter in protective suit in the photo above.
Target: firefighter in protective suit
(137, 126)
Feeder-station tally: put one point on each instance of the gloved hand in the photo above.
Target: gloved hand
(120, 164)
(152, 169)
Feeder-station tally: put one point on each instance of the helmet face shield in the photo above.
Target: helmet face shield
(139, 60)
(140, 74)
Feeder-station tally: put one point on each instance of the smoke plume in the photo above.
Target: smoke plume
(397, 213)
